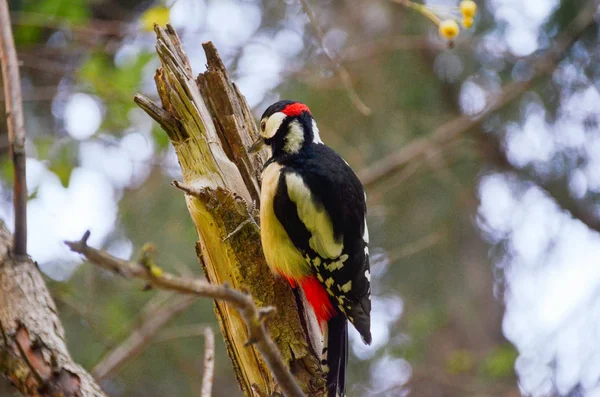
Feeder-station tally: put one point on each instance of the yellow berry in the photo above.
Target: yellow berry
(154, 15)
(449, 29)
(468, 8)
(467, 22)
(156, 271)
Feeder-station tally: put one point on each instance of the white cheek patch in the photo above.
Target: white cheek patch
(294, 138)
(273, 124)
(316, 136)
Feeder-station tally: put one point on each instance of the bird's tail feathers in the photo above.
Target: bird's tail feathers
(335, 355)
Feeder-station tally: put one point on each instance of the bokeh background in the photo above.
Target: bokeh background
(486, 248)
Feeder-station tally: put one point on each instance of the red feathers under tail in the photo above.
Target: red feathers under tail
(335, 344)
(318, 299)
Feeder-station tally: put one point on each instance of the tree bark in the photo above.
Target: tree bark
(210, 126)
(33, 352)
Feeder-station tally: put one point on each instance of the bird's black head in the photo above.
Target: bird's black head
(286, 127)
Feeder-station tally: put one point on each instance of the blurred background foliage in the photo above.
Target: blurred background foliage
(485, 267)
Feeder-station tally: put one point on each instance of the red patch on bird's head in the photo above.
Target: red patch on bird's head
(295, 109)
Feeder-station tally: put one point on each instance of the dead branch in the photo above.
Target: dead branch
(336, 62)
(140, 336)
(445, 133)
(253, 316)
(16, 127)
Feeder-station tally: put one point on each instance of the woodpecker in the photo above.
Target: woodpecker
(314, 231)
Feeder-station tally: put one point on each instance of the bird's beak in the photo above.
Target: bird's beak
(257, 145)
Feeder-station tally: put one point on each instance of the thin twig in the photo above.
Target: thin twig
(236, 230)
(209, 362)
(418, 148)
(253, 316)
(192, 331)
(180, 332)
(384, 46)
(419, 8)
(140, 336)
(415, 247)
(185, 188)
(16, 128)
(336, 62)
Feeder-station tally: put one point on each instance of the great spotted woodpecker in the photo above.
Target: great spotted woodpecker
(314, 231)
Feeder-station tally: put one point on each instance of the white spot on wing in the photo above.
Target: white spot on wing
(368, 275)
(366, 233)
(317, 221)
(294, 138)
(273, 124)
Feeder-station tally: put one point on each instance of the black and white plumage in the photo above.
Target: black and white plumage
(313, 228)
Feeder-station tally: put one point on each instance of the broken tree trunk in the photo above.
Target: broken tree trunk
(210, 125)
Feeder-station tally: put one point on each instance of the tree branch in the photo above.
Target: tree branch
(491, 148)
(16, 128)
(336, 62)
(254, 317)
(140, 336)
(191, 331)
(419, 148)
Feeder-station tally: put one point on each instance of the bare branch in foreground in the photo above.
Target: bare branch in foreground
(16, 127)
(336, 62)
(140, 336)
(253, 316)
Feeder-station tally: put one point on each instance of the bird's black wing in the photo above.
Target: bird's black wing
(321, 204)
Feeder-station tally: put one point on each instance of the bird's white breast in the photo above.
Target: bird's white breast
(280, 253)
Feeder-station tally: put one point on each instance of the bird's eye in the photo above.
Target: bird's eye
(263, 124)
